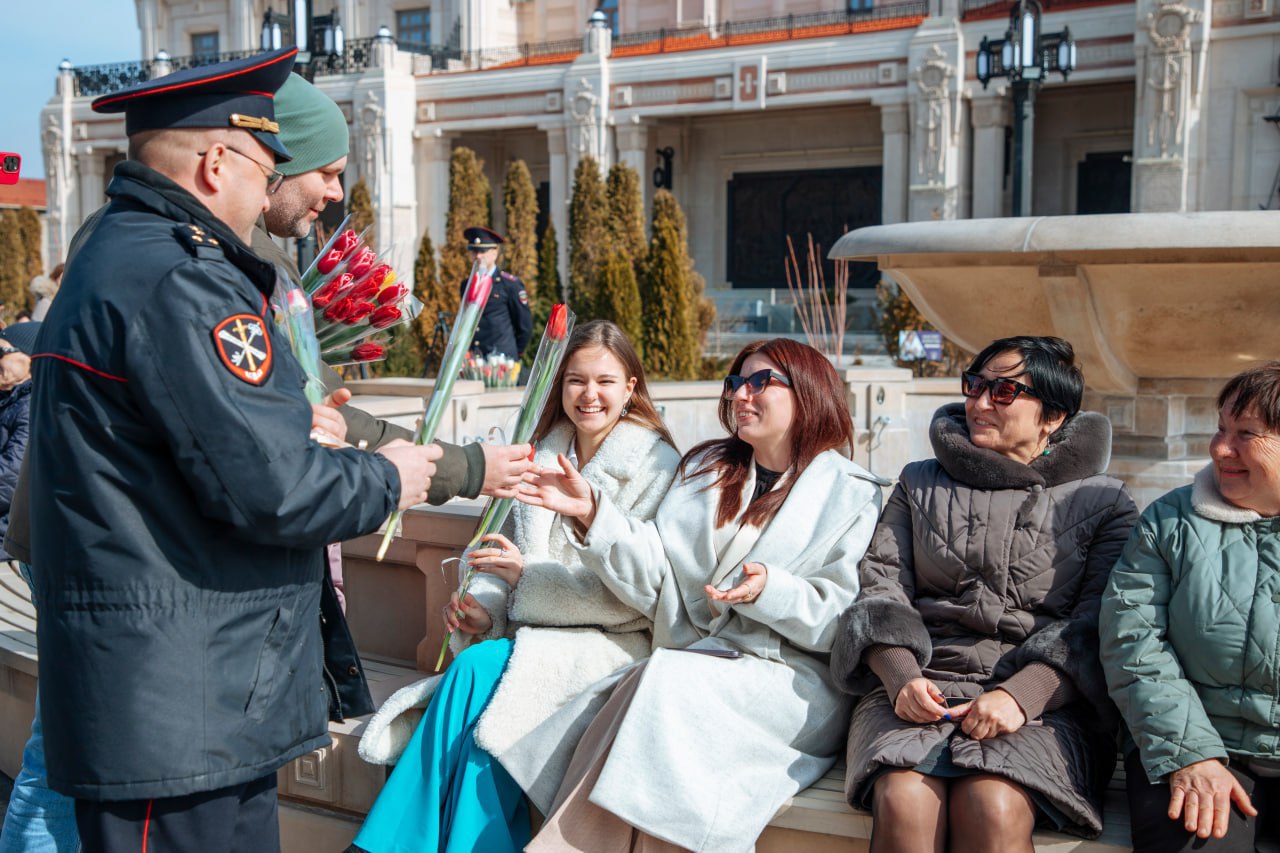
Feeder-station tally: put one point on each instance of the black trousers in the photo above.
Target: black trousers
(237, 819)
(1154, 832)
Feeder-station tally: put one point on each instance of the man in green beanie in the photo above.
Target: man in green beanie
(315, 131)
(316, 125)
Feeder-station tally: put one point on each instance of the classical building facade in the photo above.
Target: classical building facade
(766, 118)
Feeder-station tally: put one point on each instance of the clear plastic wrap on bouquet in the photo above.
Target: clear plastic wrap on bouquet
(474, 300)
(293, 317)
(555, 340)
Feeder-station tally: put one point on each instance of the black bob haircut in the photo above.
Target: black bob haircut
(1051, 364)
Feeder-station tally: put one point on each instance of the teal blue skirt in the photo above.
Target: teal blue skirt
(446, 793)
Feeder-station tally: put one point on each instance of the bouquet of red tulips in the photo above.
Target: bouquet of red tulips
(355, 296)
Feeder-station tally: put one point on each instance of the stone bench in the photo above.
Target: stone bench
(325, 794)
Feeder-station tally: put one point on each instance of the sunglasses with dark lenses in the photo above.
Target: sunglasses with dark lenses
(1003, 391)
(756, 382)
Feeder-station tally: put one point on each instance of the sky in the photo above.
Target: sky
(37, 35)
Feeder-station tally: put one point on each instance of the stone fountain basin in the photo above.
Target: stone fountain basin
(1140, 296)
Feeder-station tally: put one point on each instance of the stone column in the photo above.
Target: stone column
(633, 149)
(434, 151)
(586, 101)
(147, 26)
(560, 179)
(1171, 42)
(991, 115)
(55, 137)
(936, 58)
(384, 111)
(90, 168)
(895, 124)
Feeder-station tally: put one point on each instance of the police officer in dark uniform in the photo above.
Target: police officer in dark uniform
(507, 323)
(179, 508)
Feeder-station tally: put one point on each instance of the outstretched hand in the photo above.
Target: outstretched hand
(504, 467)
(564, 492)
(1202, 794)
(747, 591)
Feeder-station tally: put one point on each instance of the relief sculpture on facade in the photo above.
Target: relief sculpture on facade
(1168, 78)
(587, 122)
(933, 116)
(375, 157)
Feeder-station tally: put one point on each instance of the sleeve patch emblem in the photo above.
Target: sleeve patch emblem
(524, 297)
(244, 347)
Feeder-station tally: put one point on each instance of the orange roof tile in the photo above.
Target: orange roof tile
(27, 192)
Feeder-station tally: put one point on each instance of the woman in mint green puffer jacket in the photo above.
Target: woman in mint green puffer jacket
(1191, 639)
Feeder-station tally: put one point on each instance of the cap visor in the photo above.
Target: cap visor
(272, 141)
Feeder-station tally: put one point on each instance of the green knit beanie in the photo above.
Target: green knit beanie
(312, 127)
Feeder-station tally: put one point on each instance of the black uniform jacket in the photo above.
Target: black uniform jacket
(178, 511)
(507, 323)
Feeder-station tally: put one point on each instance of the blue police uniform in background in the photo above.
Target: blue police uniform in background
(507, 323)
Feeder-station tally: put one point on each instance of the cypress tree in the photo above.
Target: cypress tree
(436, 296)
(30, 235)
(469, 203)
(12, 264)
(361, 210)
(670, 330)
(618, 298)
(547, 292)
(626, 212)
(520, 252)
(588, 234)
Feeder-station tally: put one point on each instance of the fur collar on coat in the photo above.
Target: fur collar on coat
(1207, 501)
(1079, 449)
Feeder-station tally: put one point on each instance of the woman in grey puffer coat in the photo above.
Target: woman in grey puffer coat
(975, 639)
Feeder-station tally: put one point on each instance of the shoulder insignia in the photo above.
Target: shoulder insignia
(244, 347)
(523, 296)
(508, 276)
(197, 240)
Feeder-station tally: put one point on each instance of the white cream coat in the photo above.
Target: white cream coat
(570, 630)
(711, 747)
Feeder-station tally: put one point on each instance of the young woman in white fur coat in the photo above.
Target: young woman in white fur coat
(748, 564)
(449, 790)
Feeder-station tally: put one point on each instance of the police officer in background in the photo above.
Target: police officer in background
(179, 508)
(507, 323)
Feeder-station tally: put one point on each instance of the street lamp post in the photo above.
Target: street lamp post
(1025, 55)
(315, 36)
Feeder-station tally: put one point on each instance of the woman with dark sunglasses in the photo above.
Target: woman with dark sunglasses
(974, 644)
(746, 567)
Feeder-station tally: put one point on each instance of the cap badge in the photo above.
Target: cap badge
(244, 347)
(254, 123)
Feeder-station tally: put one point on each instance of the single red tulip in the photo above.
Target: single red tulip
(347, 241)
(558, 323)
(362, 262)
(478, 291)
(387, 315)
(393, 294)
(368, 352)
(337, 312)
(359, 310)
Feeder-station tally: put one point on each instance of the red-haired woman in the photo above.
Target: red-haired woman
(746, 567)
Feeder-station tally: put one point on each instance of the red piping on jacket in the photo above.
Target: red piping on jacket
(80, 365)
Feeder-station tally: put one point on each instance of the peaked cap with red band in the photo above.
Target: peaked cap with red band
(239, 93)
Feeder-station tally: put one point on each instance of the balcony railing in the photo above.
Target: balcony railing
(94, 80)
